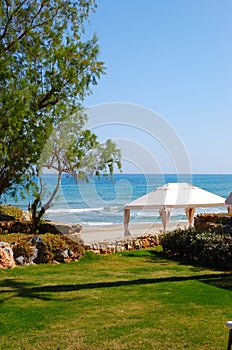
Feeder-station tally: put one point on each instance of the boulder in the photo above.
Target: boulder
(6, 256)
(20, 260)
(34, 256)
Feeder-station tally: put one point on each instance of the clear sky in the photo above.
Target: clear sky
(173, 57)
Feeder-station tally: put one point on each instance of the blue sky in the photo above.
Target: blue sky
(173, 57)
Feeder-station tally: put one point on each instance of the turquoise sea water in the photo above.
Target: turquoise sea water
(101, 202)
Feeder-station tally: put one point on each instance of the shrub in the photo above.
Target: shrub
(207, 248)
(7, 211)
(59, 248)
(50, 247)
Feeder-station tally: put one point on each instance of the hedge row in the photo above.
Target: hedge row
(207, 248)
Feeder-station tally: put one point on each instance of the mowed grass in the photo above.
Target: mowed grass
(133, 300)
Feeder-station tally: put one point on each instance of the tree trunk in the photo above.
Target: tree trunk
(37, 217)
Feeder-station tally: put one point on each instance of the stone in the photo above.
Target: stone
(77, 228)
(120, 248)
(34, 256)
(96, 246)
(110, 248)
(26, 216)
(128, 246)
(64, 254)
(20, 260)
(103, 250)
(120, 245)
(36, 240)
(6, 256)
(70, 252)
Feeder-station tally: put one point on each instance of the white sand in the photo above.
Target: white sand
(111, 232)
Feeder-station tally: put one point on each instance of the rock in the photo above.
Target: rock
(20, 260)
(36, 240)
(128, 246)
(88, 246)
(96, 246)
(103, 250)
(120, 245)
(65, 229)
(120, 248)
(110, 248)
(34, 256)
(70, 252)
(64, 254)
(77, 228)
(6, 256)
(26, 216)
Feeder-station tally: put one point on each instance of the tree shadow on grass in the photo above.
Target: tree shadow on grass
(161, 257)
(25, 290)
(165, 259)
(223, 280)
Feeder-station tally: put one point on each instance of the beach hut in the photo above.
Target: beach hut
(173, 195)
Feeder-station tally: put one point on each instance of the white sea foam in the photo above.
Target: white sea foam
(113, 209)
(78, 205)
(71, 210)
(98, 223)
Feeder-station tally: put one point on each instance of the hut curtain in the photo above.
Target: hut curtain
(190, 215)
(165, 216)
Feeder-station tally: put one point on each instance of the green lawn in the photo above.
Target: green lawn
(134, 300)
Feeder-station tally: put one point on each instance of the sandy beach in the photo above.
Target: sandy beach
(111, 232)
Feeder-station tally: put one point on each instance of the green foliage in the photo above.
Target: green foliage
(90, 257)
(47, 67)
(53, 245)
(206, 248)
(20, 244)
(49, 249)
(23, 248)
(73, 150)
(10, 210)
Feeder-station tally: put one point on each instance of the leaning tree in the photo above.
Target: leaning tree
(75, 151)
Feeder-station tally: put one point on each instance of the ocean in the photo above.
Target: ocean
(101, 201)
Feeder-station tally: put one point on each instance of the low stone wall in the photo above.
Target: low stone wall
(121, 245)
(15, 226)
(218, 223)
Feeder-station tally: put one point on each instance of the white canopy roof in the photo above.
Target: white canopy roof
(177, 195)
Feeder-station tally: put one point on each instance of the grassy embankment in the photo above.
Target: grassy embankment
(134, 300)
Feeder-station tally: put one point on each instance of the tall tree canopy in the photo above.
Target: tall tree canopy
(46, 69)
